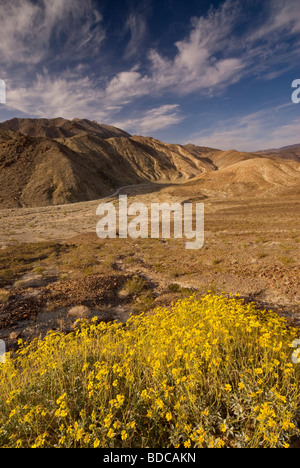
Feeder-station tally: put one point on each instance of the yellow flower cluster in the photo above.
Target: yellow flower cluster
(212, 373)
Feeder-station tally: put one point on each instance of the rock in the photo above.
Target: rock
(14, 335)
(80, 312)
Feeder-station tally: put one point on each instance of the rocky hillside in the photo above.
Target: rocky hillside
(52, 162)
(287, 152)
(60, 128)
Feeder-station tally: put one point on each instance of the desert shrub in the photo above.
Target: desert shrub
(205, 373)
(174, 287)
(135, 285)
(143, 303)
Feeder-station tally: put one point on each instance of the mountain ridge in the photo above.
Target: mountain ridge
(60, 127)
(291, 152)
(58, 161)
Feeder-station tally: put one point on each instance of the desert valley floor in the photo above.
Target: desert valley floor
(54, 268)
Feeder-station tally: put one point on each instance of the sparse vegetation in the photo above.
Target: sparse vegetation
(4, 295)
(174, 287)
(287, 260)
(262, 254)
(19, 259)
(135, 286)
(88, 270)
(39, 270)
(143, 302)
(209, 372)
(217, 261)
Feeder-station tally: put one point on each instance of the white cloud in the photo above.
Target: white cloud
(128, 85)
(152, 120)
(137, 27)
(283, 16)
(65, 96)
(201, 60)
(207, 61)
(213, 56)
(27, 27)
(194, 67)
(252, 132)
(71, 95)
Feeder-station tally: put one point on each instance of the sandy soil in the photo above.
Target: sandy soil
(251, 248)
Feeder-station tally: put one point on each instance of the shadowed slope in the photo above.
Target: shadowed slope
(57, 161)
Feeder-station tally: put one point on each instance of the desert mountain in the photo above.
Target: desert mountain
(60, 128)
(287, 152)
(44, 162)
(252, 177)
(50, 162)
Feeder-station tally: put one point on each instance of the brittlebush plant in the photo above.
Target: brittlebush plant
(205, 373)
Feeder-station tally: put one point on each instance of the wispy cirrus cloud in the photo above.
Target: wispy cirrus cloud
(251, 132)
(152, 119)
(201, 61)
(137, 26)
(68, 96)
(195, 66)
(27, 29)
(220, 48)
(283, 16)
(213, 56)
(43, 51)
(128, 85)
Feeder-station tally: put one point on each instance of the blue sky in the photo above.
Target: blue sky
(213, 73)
